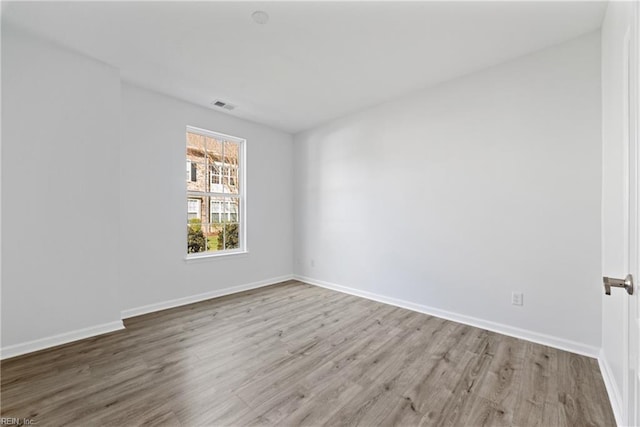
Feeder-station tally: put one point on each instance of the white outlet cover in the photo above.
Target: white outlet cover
(517, 298)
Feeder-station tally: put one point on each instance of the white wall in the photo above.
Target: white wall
(450, 198)
(456, 196)
(60, 142)
(615, 24)
(153, 202)
(94, 198)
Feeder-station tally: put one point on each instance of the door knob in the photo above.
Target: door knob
(626, 283)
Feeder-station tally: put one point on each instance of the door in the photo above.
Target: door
(625, 253)
(632, 218)
(620, 357)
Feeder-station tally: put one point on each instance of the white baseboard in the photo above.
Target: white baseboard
(612, 389)
(67, 337)
(55, 340)
(544, 339)
(145, 309)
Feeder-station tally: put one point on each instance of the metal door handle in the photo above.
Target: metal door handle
(626, 283)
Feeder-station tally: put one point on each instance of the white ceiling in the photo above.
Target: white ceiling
(313, 61)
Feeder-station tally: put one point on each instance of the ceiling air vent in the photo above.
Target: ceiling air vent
(222, 104)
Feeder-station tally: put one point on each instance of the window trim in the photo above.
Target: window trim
(241, 196)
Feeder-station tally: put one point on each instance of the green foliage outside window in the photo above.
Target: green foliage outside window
(232, 237)
(195, 237)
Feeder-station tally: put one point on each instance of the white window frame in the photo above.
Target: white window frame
(241, 196)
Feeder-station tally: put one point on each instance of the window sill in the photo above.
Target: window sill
(195, 258)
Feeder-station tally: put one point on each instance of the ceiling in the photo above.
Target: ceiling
(313, 61)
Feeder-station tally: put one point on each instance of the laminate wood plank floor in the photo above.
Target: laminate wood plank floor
(294, 354)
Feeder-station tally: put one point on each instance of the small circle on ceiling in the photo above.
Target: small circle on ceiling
(260, 17)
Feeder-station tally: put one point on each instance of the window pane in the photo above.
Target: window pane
(195, 162)
(215, 176)
(223, 229)
(193, 172)
(196, 241)
(215, 231)
(194, 208)
(214, 162)
(207, 216)
(231, 163)
(195, 143)
(196, 176)
(231, 226)
(231, 236)
(216, 211)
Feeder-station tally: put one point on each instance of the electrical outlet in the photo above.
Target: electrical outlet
(313, 262)
(517, 298)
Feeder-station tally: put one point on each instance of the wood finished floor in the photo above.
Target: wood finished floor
(294, 354)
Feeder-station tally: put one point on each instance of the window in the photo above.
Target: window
(215, 193)
(223, 211)
(216, 174)
(193, 208)
(192, 174)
